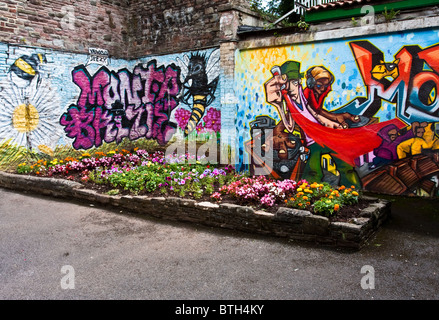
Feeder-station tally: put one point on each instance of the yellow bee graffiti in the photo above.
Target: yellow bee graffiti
(200, 79)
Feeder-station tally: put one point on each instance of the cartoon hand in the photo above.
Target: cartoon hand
(347, 116)
(273, 89)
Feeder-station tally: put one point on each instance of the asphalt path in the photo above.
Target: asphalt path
(55, 249)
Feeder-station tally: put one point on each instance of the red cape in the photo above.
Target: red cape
(347, 144)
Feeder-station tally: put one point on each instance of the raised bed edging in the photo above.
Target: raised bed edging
(286, 223)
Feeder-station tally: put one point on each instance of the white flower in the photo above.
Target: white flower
(29, 115)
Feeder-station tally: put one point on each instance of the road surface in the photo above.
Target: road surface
(53, 249)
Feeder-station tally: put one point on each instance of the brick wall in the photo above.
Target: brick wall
(65, 25)
(161, 26)
(128, 29)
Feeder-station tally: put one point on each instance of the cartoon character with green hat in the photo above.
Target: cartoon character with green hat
(287, 77)
(292, 70)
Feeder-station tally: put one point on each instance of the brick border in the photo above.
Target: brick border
(285, 223)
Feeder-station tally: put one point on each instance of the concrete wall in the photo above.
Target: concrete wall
(385, 75)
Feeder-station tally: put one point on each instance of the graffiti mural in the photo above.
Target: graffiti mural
(142, 103)
(29, 105)
(353, 113)
(114, 105)
(56, 99)
(200, 82)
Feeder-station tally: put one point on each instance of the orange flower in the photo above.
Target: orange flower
(336, 207)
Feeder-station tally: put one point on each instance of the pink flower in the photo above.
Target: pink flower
(182, 117)
(268, 200)
(216, 196)
(212, 120)
(200, 128)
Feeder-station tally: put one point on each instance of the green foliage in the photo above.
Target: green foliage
(24, 168)
(349, 196)
(95, 176)
(276, 9)
(326, 207)
(354, 22)
(265, 13)
(143, 173)
(390, 15)
(113, 192)
(322, 198)
(12, 155)
(281, 8)
(301, 24)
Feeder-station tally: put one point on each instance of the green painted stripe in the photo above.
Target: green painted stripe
(343, 13)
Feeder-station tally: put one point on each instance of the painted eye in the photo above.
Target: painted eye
(196, 69)
(390, 66)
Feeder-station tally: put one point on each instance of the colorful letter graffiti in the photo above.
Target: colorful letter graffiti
(353, 143)
(406, 81)
(114, 105)
(142, 104)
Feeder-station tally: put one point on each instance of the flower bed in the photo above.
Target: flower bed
(186, 189)
(139, 172)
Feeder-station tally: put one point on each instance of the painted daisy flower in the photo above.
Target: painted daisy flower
(29, 112)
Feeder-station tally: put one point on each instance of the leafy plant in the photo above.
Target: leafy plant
(113, 192)
(354, 22)
(390, 15)
(326, 207)
(349, 196)
(301, 24)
